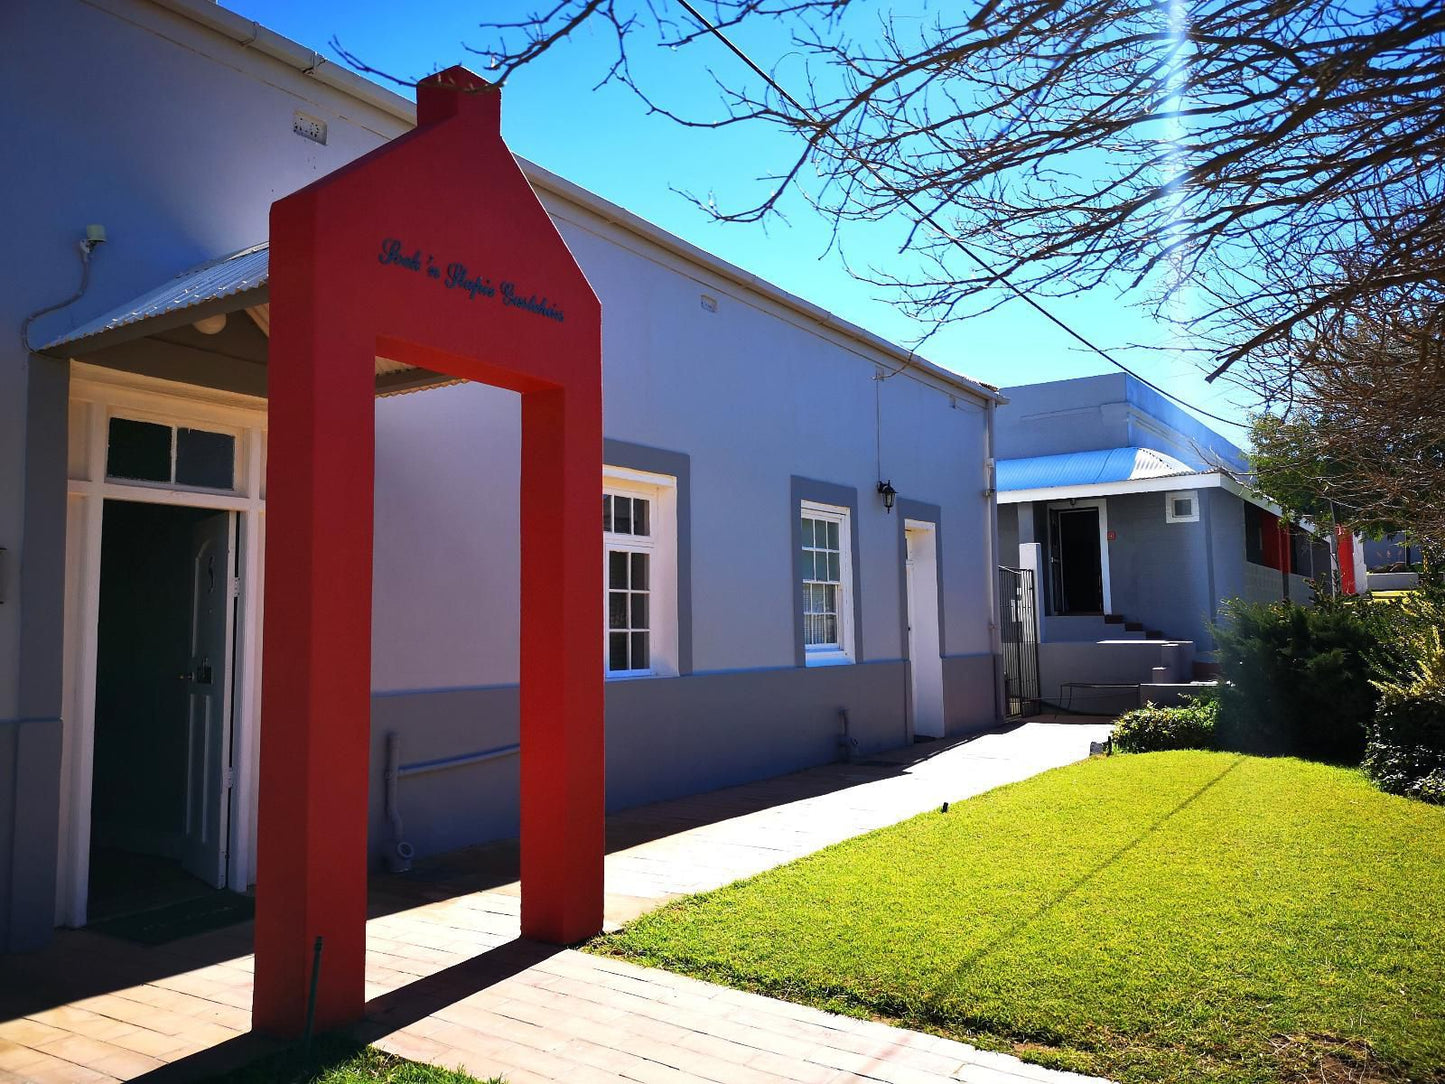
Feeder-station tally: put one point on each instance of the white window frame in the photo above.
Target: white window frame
(154, 417)
(1191, 495)
(661, 546)
(842, 653)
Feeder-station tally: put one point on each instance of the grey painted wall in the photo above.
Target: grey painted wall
(1223, 515)
(29, 803)
(665, 738)
(182, 152)
(1109, 411)
(1159, 571)
(969, 683)
(173, 186)
(181, 142)
(30, 740)
(1008, 534)
(1173, 577)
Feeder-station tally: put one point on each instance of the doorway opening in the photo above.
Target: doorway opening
(1076, 560)
(925, 653)
(161, 767)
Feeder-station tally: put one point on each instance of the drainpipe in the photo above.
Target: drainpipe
(846, 742)
(990, 493)
(399, 853)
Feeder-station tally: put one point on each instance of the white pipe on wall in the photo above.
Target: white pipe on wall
(990, 492)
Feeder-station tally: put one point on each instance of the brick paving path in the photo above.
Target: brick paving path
(449, 983)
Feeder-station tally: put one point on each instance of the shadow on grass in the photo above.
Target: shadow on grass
(979, 955)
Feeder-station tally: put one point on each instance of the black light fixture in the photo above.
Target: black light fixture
(887, 492)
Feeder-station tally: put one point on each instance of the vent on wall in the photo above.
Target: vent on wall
(312, 128)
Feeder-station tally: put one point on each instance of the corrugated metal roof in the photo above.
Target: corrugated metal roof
(1087, 468)
(233, 274)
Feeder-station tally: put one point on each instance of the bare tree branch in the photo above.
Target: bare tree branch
(1268, 169)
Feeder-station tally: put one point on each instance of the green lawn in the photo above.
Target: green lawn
(1163, 917)
(337, 1060)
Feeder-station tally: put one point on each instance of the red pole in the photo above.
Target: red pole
(562, 799)
(316, 693)
(1345, 554)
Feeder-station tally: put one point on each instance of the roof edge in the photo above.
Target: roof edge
(251, 34)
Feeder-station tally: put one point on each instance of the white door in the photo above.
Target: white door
(925, 653)
(208, 684)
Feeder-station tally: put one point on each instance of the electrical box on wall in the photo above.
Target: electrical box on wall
(309, 127)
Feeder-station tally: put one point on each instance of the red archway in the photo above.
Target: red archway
(435, 252)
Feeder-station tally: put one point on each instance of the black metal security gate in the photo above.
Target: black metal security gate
(1019, 629)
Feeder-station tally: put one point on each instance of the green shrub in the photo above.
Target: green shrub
(1406, 749)
(1299, 679)
(1153, 729)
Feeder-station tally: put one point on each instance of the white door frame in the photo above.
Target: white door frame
(1103, 506)
(96, 395)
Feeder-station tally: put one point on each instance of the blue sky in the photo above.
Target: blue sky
(603, 140)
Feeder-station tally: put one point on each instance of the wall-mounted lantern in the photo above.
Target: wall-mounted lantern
(887, 492)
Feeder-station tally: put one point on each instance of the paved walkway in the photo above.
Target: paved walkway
(449, 982)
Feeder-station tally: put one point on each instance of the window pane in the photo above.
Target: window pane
(622, 515)
(205, 459)
(830, 630)
(617, 569)
(639, 572)
(617, 609)
(639, 651)
(807, 532)
(832, 535)
(140, 450)
(829, 600)
(617, 651)
(641, 514)
(639, 611)
(607, 511)
(834, 570)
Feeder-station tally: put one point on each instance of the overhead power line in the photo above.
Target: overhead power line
(927, 216)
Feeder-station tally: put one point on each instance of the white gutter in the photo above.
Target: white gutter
(1161, 484)
(253, 35)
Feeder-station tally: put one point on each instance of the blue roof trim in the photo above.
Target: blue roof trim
(1087, 468)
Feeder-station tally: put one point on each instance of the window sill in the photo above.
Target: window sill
(827, 658)
(638, 675)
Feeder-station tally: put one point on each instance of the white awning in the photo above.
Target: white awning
(244, 272)
(240, 281)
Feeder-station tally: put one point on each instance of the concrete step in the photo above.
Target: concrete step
(1105, 676)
